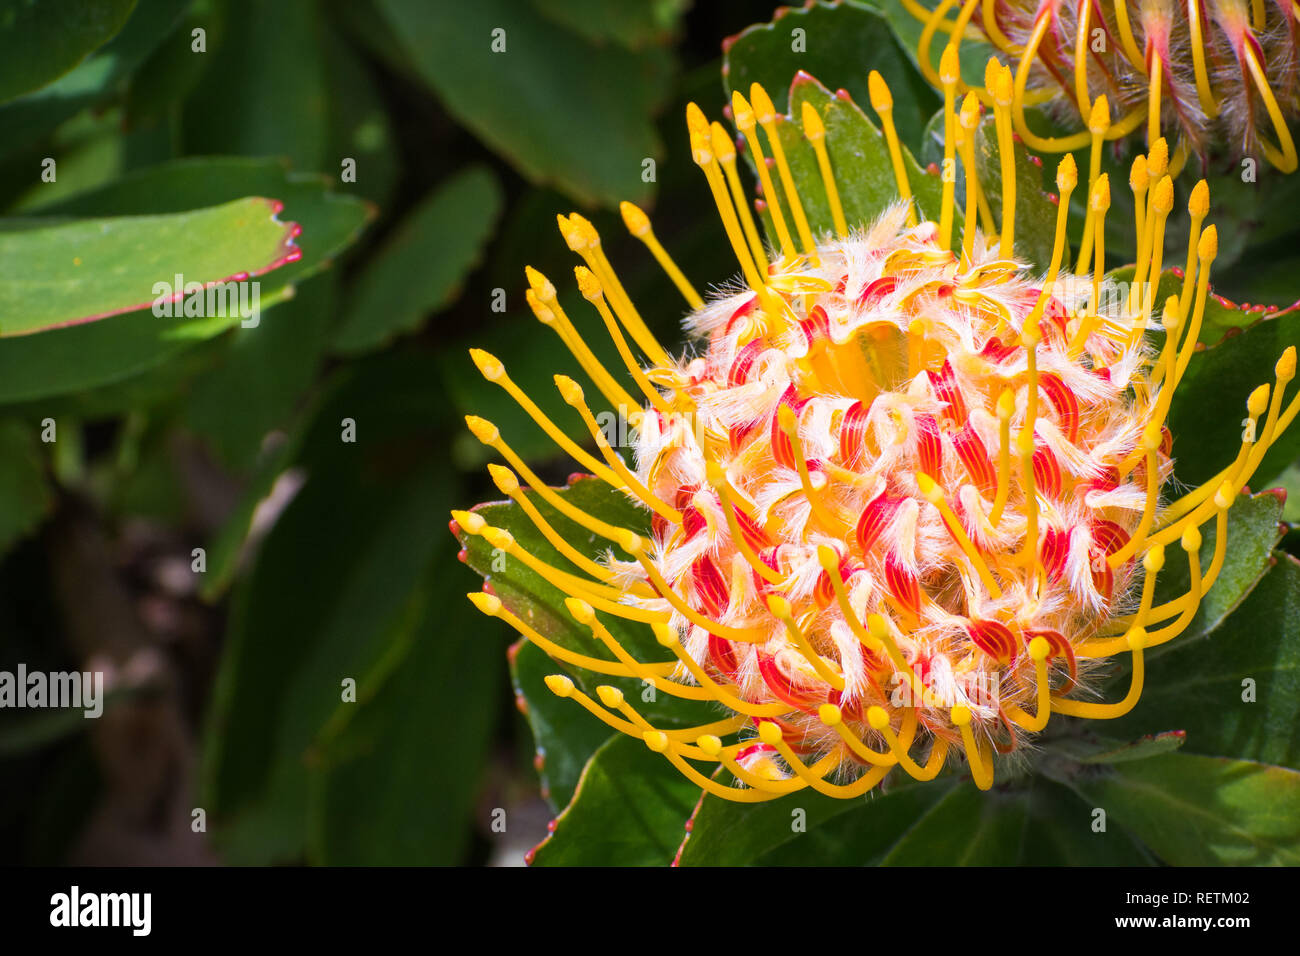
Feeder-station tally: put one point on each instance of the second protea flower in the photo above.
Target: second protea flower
(906, 495)
(1222, 73)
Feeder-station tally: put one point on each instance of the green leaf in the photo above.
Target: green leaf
(561, 110)
(269, 368)
(1252, 534)
(403, 283)
(1203, 811)
(541, 604)
(859, 156)
(99, 353)
(404, 765)
(565, 736)
(946, 822)
(1201, 686)
(724, 833)
(88, 270)
(1039, 823)
(25, 497)
(1093, 750)
(41, 42)
(264, 93)
(327, 599)
(96, 80)
(630, 809)
(841, 44)
(1035, 215)
(632, 23)
(360, 127)
(1222, 378)
(330, 222)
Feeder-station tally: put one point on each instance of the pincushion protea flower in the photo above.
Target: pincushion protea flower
(1214, 70)
(906, 496)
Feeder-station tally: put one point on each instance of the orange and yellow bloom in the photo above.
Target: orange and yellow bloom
(907, 496)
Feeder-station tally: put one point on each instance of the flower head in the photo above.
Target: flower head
(906, 495)
(1214, 70)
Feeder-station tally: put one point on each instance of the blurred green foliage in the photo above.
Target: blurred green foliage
(244, 525)
(423, 164)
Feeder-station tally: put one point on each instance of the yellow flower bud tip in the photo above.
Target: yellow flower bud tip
(664, 634)
(721, 144)
(1224, 495)
(1158, 158)
(827, 558)
(469, 522)
(1208, 246)
(631, 542)
(779, 606)
(710, 744)
(582, 612)
(813, 127)
(505, 480)
(1162, 200)
(1025, 443)
(878, 92)
(960, 715)
(714, 473)
(1003, 87)
(1285, 367)
(656, 740)
(1191, 540)
(586, 231)
(611, 697)
(701, 150)
(1099, 116)
(1154, 559)
(1039, 648)
(764, 108)
(742, 113)
(1138, 178)
(544, 314)
(489, 604)
(949, 65)
(992, 70)
(786, 418)
(876, 626)
(970, 112)
(572, 236)
(488, 364)
(1170, 317)
(1257, 401)
(1198, 204)
(539, 284)
(877, 718)
(1006, 404)
(1151, 436)
(769, 732)
(559, 685)
(637, 222)
(930, 491)
(1137, 638)
(1101, 193)
(588, 284)
(829, 714)
(482, 429)
(498, 537)
(1067, 174)
(696, 121)
(569, 390)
